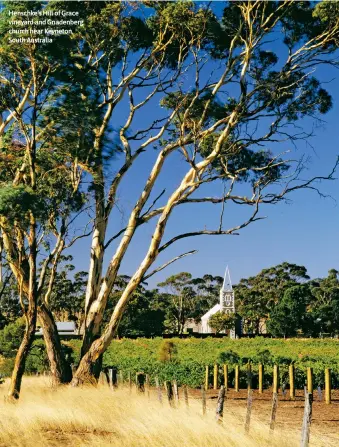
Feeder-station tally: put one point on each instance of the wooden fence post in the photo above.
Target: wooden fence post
(226, 377)
(186, 395)
(291, 375)
(147, 385)
(248, 411)
(261, 377)
(275, 378)
(220, 404)
(206, 377)
(110, 376)
(328, 385)
(169, 391)
(236, 378)
(176, 392)
(249, 376)
(310, 380)
(129, 381)
(157, 384)
(102, 378)
(273, 411)
(203, 396)
(121, 377)
(305, 432)
(140, 382)
(215, 377)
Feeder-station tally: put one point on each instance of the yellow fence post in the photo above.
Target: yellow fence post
(215, 377)
(249, 376)
(261, 377)
(292, 388)
(236, 378)
(328, 385)
(226, 377)
(275, 378)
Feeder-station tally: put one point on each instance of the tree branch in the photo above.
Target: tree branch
(192, 252)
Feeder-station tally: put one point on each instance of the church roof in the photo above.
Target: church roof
(227, 284)
(211, 312)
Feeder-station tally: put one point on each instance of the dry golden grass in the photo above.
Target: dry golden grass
(98, 417)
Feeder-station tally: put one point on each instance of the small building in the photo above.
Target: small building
(65, 329)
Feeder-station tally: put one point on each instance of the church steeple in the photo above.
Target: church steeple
(227, 304)
(227, 284)
(227, 294)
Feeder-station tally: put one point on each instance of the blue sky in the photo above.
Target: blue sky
(304, 231)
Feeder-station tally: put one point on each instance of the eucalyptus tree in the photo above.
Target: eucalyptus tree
(291, 314)
(324, 307)
(258, 296)
(39, 195)
(180, 302)
(225, 102)
(226, 124)
(207, 290)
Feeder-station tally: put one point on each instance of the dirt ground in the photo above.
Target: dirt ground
(325, 418)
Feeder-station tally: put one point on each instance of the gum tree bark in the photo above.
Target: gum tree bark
(30, 316)
(60, 369)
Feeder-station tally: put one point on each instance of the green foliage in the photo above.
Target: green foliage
(180, 301)
(67, 299)
(221, 321)
(324, 306)
(289, 316)
(194, 354)
(167, 351)
(257, 296)
(229, 357)
(263, 356)
(16, 201)
(10, 309)
(144, 315)
(10, 338)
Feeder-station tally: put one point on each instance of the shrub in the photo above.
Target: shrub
(167, 351)
(11, 336)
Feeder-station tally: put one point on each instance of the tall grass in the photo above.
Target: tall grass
(99, 417)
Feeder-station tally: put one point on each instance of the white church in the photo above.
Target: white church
(226, 304)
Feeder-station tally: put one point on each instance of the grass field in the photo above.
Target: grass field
(99, 417)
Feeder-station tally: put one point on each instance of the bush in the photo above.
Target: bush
(10, 337)
(167, 351)
(37, 360)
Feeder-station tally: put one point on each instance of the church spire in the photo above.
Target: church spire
(227, 284)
